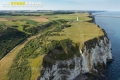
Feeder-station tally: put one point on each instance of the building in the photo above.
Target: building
(77, 19)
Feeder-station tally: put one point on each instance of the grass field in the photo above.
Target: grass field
(80, 31)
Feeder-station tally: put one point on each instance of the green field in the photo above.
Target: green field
(79, 32)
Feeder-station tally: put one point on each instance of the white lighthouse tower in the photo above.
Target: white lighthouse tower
(77, 19)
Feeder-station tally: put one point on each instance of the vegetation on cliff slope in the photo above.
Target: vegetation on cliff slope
(33, 50)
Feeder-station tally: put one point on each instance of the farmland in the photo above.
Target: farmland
(19, 21)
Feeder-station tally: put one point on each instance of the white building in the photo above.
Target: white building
(77, 19)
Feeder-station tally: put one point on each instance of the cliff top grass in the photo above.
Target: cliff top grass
(80, 31)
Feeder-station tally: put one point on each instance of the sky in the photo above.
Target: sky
(109, 5)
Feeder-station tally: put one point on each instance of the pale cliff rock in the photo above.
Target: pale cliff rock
(90, 56)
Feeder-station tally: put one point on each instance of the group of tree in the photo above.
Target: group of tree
(63, 12)
(9, 38)
(18, 14)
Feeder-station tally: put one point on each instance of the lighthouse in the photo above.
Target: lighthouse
(77, 18)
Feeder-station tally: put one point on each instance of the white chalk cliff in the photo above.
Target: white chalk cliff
(85, 63)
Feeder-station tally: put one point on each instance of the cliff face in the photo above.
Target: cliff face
(95, 52)
(100, 53)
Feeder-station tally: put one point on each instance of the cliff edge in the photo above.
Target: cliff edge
(72, 57)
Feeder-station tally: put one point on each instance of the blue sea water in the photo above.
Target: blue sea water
(112, 26)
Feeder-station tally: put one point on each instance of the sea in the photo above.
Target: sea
(110, 22)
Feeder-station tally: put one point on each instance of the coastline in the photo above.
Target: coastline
(91, 63)
(100, 74)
